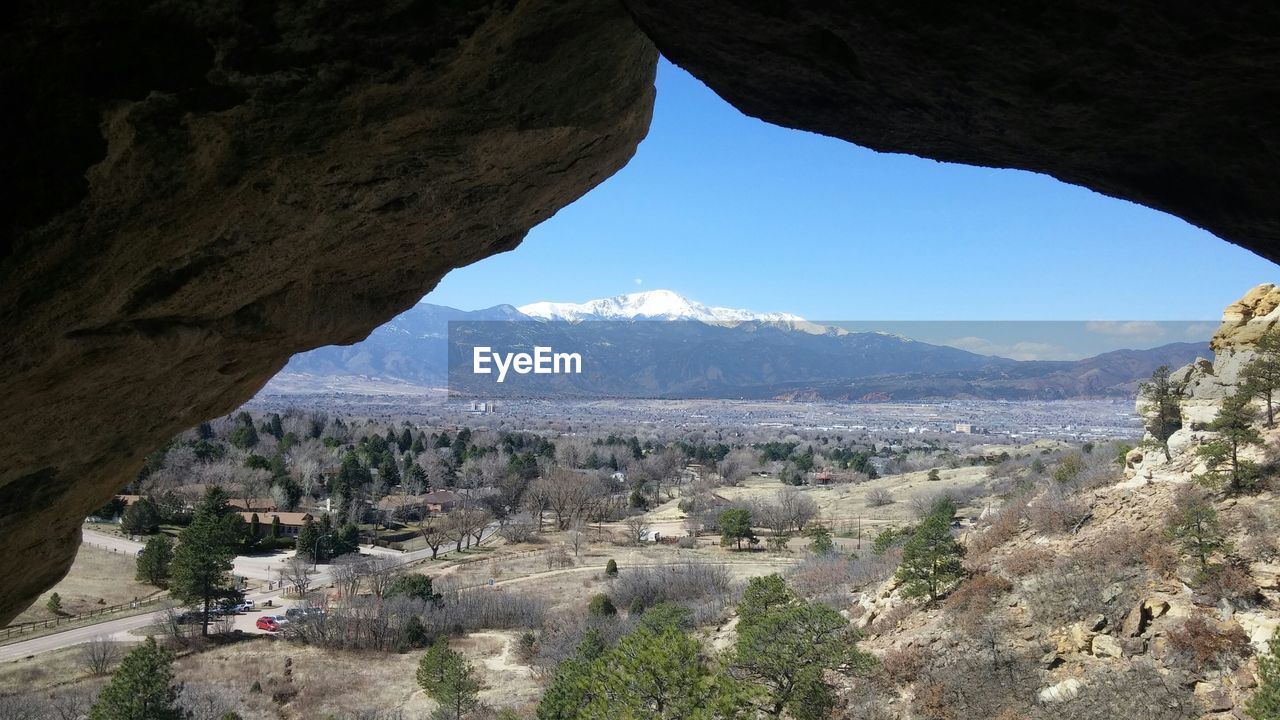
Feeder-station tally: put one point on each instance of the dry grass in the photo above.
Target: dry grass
(97, 574)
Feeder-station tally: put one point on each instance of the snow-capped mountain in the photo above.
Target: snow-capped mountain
(649, 305)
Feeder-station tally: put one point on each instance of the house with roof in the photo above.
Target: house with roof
(290, 522)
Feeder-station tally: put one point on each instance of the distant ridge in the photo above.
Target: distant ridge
(725, 353)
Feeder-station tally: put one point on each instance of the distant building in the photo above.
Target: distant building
(290, 522)
(440, 501)
(967, 428)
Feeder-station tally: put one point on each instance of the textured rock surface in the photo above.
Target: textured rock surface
(1208, 383)
(1165, 105)
(207, 188)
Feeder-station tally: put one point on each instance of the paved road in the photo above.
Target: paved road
(120, 628)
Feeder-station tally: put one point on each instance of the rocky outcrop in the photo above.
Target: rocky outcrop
(205, 189)
(1207, 383)
(1163, 106)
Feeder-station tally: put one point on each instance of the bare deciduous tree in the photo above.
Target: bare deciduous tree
(380, 572)
(297, 573)
(434, 532)
(637, 529)
(99, 655)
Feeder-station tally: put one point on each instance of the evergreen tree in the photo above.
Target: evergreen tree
(659, 675)
(141, 518)
(54, 605)
(141, 689)
(154, 560)
(601, 606)
(244, 436)
(1262, 374)
(820, 542)
(449, 680)
(1160, 403)
(1194, 526)
(786, 649)
(414, 587)
(735, 526)
(389, 473)
(308, 541)
(1265, 703)
(1234, 431)
(275, 428)
(931, 559)
(573, 687)
(406, 440)
(201, 568)
(764, 594)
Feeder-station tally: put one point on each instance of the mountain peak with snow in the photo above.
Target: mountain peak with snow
(649, 305)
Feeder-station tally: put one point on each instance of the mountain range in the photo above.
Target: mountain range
(660, 344)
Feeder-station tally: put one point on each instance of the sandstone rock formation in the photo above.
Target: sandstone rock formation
(1208, 383)
(1160, 105)
(204, 190)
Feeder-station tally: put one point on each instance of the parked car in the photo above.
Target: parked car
(295, 613)
(268, 623)
(247, 605)
(281, 620)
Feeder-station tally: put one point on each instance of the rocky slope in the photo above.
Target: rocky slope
(1078, 604)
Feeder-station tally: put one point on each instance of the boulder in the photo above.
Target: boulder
(1068, 689)
(1106, 646)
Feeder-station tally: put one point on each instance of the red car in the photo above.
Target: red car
(268, 623)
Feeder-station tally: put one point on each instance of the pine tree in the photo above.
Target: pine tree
(141, 689)
(154, 560)
(201, 568)
(735, 526)
(1262, 374)
(1195, 526)
(1160, 403)
(142, 517)
(1265, 703)
(1234, 431)
(449, 680)
(931, 559)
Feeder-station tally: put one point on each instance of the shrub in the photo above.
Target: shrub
(1070, 590)
(645, 587)
(974, 599)
(1162, 560)
(903, 666)
(1199, 645)
(1027, 560)
(1232, 582)
(1055, 512)
(611, 568)
(601, 606)
(879, 497)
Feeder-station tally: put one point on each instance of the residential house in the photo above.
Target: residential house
(290, 522)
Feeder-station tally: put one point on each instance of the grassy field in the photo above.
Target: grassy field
(97, 578)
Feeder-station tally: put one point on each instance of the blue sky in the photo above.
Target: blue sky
(728, 210)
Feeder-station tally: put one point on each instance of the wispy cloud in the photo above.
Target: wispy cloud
(1019, 350)
(1143, 329)
(639, 281)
